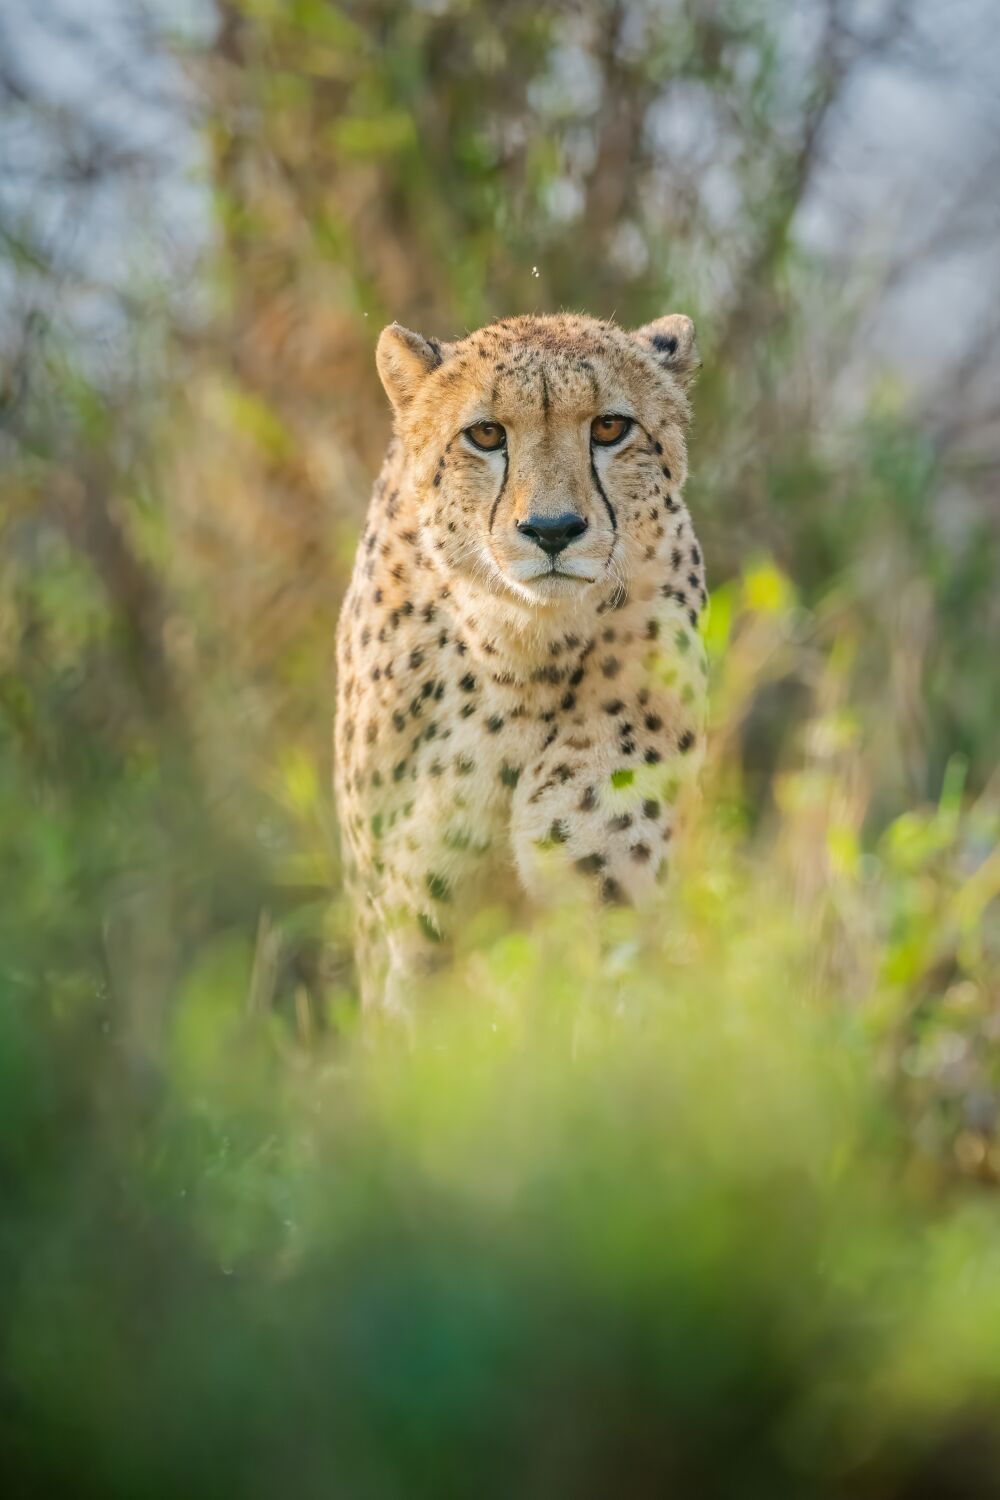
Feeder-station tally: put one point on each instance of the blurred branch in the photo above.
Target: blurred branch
(626, 97)
(839, 53)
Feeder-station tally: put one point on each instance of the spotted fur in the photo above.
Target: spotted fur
(504, 717)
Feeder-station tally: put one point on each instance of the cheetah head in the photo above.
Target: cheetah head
(544, 451)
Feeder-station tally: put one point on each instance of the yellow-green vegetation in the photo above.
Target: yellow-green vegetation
(702, 1203)
(694, 1204)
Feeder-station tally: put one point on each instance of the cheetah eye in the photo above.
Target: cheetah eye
(608, 430)
(486, 435)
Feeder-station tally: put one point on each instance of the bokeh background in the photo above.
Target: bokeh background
(699, 1204)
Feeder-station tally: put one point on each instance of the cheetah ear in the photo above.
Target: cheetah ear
(673, 344)
(404, 359)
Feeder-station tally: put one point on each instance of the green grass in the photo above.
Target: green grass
(696, 1203)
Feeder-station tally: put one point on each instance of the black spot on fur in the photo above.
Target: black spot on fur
(438, 887)
(429, 930)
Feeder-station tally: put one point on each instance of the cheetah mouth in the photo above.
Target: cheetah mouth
(551, 574)
(553, 589)
(552, 584)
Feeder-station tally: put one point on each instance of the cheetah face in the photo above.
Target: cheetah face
(544, 452)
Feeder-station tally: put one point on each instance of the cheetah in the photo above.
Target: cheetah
(520, 673)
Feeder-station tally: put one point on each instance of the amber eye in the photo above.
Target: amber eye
(608, 430)
(488, 435)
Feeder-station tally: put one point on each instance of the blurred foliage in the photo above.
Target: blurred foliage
(702, 1203)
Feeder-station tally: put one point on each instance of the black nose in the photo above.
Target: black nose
(553, 533)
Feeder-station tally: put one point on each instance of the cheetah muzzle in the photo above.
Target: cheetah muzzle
(521, 681)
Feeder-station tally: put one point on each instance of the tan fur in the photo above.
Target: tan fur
(497, 724)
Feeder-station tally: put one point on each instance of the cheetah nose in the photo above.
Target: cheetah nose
(553, 533)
